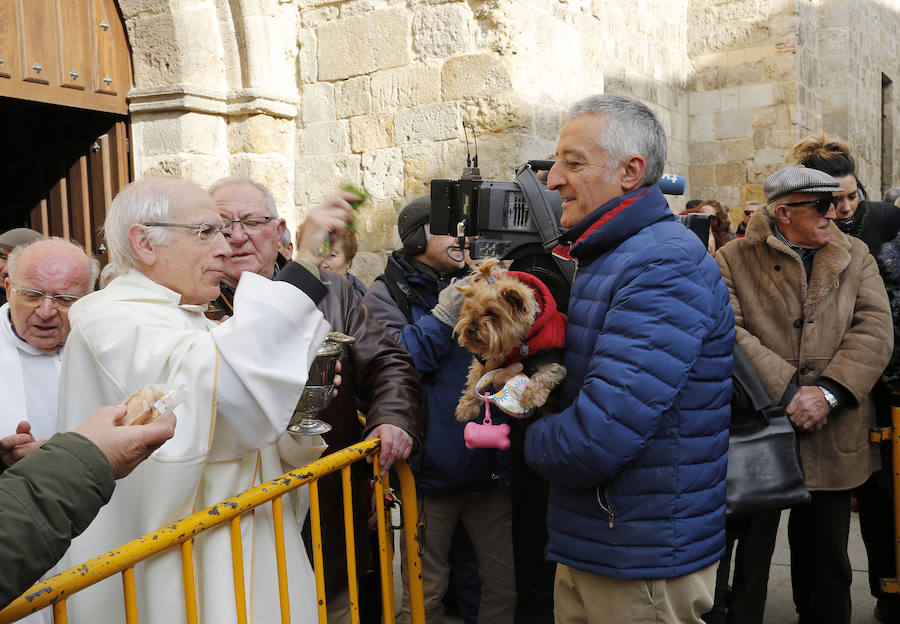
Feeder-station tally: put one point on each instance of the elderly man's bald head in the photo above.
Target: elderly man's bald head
(45, 277)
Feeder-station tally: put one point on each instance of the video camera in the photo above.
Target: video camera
(519, 221)
(509, 220)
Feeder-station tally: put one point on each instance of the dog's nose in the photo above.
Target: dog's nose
(471, 330)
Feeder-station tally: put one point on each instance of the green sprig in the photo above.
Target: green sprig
(362, 196)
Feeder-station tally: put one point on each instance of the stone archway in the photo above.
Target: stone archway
(212, 91)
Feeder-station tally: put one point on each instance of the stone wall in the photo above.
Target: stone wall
(770, 72)
(386, 89)
(307, 94)
(861, 44)
(745, 99)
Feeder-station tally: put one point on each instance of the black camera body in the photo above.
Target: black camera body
(697, 223)
(507, 219)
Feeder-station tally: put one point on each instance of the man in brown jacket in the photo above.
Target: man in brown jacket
(812, 315)
(375, 368)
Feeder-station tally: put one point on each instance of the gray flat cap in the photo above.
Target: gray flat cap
(18, 236)
(798, 179)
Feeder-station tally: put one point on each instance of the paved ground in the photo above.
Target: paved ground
(780, 605)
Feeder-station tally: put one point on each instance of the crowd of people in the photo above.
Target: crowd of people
(610, 505)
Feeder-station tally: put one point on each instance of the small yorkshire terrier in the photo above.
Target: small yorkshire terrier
(509, 317)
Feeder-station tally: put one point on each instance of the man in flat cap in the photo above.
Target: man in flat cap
(812, 315)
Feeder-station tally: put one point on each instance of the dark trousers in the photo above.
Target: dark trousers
(876, 524)
(820, 567)
(751, 568)
(745, 603)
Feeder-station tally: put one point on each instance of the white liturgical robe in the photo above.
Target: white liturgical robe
(244, 378)
(30, 390)
(30, 383)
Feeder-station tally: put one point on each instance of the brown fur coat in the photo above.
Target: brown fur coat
(837, 326)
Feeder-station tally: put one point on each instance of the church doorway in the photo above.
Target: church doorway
(65, 71)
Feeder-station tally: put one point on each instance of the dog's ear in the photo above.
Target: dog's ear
(515, 298)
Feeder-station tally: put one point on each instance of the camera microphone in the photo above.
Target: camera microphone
(671, 184)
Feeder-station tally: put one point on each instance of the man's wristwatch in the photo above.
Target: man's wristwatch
(829, 397)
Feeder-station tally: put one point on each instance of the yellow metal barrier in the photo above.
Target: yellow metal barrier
(55, 590)
(892, 585)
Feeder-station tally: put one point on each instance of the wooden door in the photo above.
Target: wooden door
(62, 168)
(65, 71)
(68, 52)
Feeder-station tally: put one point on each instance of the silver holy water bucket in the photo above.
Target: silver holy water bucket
(317, 393)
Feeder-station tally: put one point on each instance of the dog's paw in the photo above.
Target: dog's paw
(467, 410)
(541, 385)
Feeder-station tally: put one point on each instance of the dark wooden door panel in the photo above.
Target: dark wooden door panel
(9, 55)
(107, 76)
(72, 164)
(38, 21)
(75, 43)
(80, 202)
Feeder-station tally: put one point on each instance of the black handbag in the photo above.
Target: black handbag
(764, 468)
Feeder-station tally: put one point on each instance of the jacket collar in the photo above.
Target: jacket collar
(614, 222)
(830, 261)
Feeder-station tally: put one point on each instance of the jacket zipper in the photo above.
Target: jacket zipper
(605, 505)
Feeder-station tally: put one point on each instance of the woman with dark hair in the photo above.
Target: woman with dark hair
(876, 224)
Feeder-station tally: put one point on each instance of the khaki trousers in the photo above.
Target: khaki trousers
(487, 518)
(585, 598)
(338, 608)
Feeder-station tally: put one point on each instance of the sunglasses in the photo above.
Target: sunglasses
(748, 212)
(823, 205)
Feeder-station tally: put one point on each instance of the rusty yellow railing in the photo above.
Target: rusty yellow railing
(892, 585)
(55, 590)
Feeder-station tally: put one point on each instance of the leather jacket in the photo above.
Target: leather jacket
(380, 372)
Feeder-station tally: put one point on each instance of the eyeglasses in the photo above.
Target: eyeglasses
(250, 224)
(748, 212)
(823, 205)
(35, 298)
(205, 231)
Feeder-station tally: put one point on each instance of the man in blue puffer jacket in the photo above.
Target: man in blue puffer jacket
(637, 458)
(416, 304)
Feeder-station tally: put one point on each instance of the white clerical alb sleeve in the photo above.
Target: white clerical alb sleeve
(266, 350)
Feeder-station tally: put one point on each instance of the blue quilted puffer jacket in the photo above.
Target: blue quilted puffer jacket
(637, 458)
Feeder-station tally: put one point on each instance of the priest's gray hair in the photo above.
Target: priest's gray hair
(632, 129)
(270, 201)
(93, 263)
(150, 199)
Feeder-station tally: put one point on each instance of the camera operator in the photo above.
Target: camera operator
(414, 301)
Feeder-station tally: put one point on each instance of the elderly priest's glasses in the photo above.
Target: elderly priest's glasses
(205, 231)
(34, 298)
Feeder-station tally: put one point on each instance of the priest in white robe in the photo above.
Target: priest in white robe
(244, 378)
(45, 277)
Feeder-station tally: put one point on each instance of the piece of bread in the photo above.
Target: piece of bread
(140, 407)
